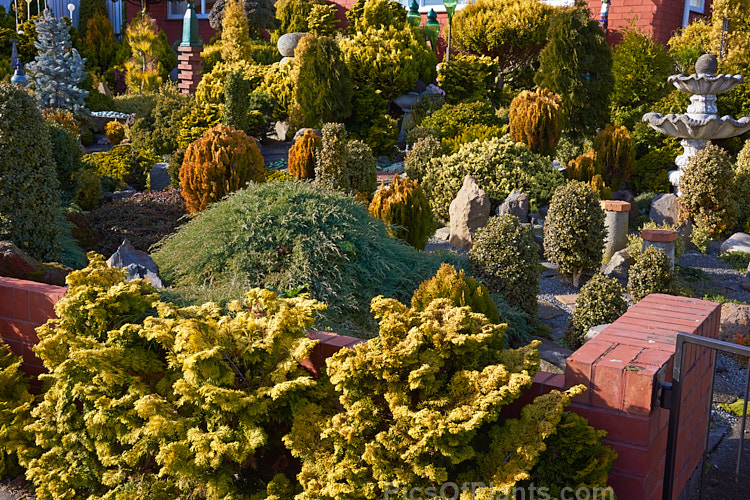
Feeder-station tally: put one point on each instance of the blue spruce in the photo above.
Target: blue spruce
(58, 68)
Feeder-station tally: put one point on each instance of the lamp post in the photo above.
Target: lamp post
(71, 8)
(450, 8)
(432, 28)
(413, 16)
(19, 77)
(604, 15)
(28, 9)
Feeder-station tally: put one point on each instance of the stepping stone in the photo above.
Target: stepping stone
(548, 311)
(568, 300)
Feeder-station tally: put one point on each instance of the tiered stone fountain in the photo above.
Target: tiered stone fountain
(702, 122)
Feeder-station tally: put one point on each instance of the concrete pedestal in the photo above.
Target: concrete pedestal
(660, 238)
(616, 221)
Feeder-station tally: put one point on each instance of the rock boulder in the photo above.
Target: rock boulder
(665, 209)
(735, 319)
(136, 264)
(469, 211)
(738, 242)
(517, 203)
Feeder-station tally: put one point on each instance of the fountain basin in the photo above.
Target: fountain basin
(708, 127)
(705, 84)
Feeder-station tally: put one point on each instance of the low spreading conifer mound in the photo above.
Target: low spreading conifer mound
(287, 235)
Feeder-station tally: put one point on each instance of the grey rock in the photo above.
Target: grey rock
(745, 283)
(159, 177)
(117, 195)
(554, 357)
(738, 242)
(302, 131)
(665, 209)
(469, 211)
(619, 264)
(288, 42)
(136, 264)
(517, 203)
(104, 89)
(280, 130)
(625, 195)
(443, 234)
(735, 318)
(594, 331)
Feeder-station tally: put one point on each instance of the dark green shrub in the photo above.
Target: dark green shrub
(261, 15)
(500, 166)
(418, 158)
(323, 92)
(651, 273)
(158, 130)
(576, 64)
(123, 164)
(88, 188)
(302, 235)
(409, 59)
(705, 200)
(15, 409)
(29, 192)
(652, 170)
(450, 121)
(375, 14)
(66, 153)
(467, 78)
(536, 120)
(404, 207)
(140, 104)
(370, 120)
(600, 302)
(135, 382)
(459, 289)
(222, 161)
(614, 152)
(397, 395)
(574, 230)
(640, 67)
(99, 44)
(89, 9)
(361, 168)
(237, 112)
(575, 458)
(144, 219)
(506, 258)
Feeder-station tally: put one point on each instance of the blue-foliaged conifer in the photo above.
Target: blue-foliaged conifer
(58, 68)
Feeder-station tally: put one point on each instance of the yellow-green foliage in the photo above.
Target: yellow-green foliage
(467, 77)
(322, 20)
(197, 121)
(575, 458)
(389, 58)
(614, 152)
(144, 67)
(420, 405)
(88, 188)
(479, 132)
(293, 16)
(459, 289)
(345, 165)
(280, 84)
(574, 230)
(513, 31)
(706, 187)
(366, 14)
(302, 155)
(115, 132)
(404, 207)
(600, 302)
(584, 168)
(235, 33)
(601, 190)
(222, 161)
(210, 90)
(15, 407)
(505, 257)
(419, 156)
(651, 273)
(741, 189)
(652, 170)
(536, 120)
(148, 400)
(123, 165)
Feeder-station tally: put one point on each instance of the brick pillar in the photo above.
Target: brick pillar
(622, 368)
(189, 63)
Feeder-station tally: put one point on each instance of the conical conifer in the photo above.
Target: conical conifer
(58, 68)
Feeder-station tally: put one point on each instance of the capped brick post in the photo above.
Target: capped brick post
(660, 238)
(189, 56)
(616, 218)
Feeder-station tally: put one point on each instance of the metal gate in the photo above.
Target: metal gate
(673, 403)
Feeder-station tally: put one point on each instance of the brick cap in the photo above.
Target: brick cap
(615, 205)
(659, 235)
(191, 50)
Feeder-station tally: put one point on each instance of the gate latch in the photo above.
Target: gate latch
(665, 395)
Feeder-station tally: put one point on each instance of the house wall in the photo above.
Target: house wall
(171, 27)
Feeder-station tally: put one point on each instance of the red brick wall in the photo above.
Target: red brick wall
(171, 27)
(24, 305)
(622, 367)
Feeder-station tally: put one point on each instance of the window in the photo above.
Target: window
(176, 10)
(426, 5)
(697, 6)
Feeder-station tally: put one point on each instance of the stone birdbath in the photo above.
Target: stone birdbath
(702, 122)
